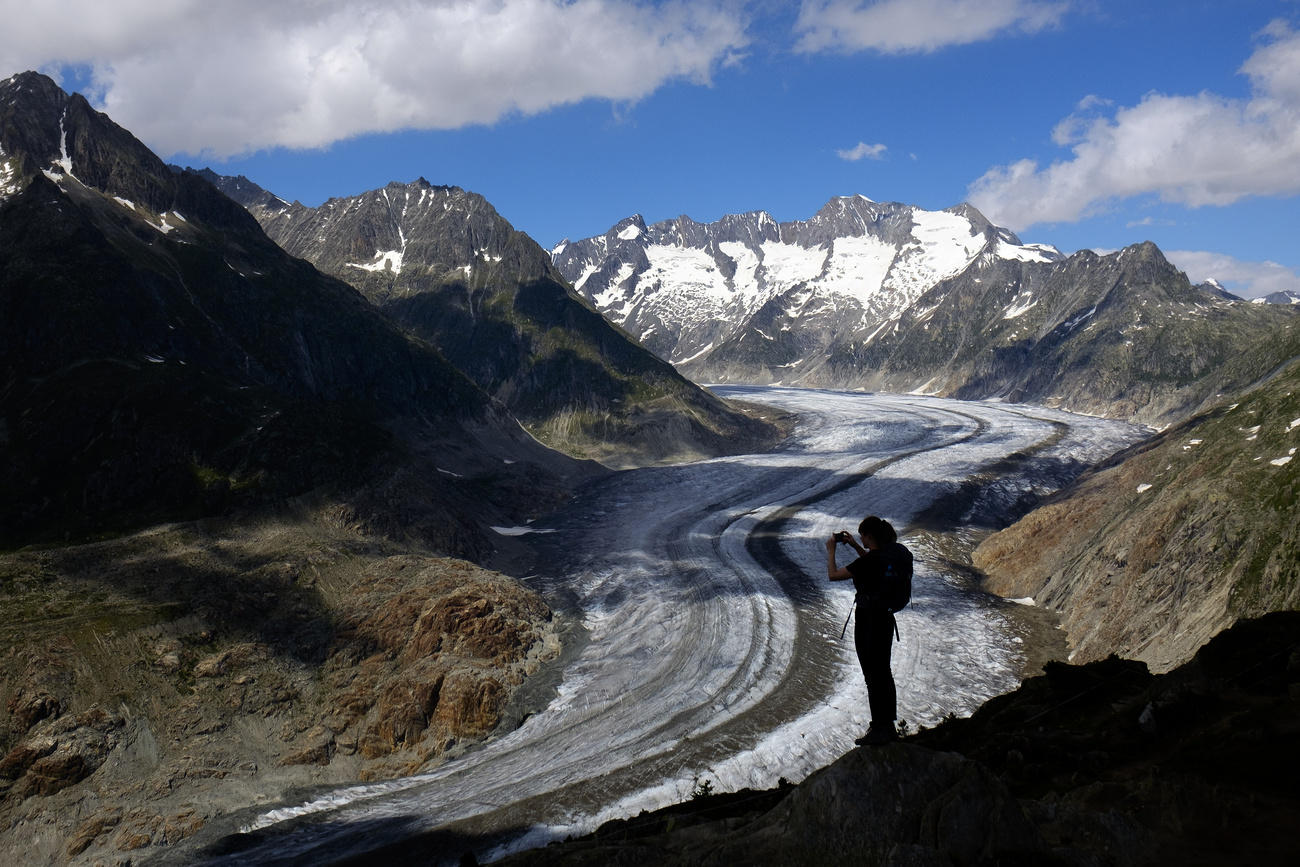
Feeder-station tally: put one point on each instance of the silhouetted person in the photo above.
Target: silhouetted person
(882, 575)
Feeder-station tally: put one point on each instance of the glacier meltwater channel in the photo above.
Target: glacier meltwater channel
(712, 646)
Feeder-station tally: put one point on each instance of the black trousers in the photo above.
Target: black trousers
(873, 638)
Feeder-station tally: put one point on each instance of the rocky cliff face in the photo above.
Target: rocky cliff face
(161, 358)
(887, 296)
(1156, 551)
(442, 262)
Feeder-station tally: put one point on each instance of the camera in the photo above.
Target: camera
(843, 537)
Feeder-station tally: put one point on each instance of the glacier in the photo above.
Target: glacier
(697, 659)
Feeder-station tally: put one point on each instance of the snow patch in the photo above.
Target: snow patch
(1025, 253)
(857, 267)
(1143, 488)
(1023, 303)
(8, 177)
(1295, 423)
(384, 260)
(787, 264)
(586, 275)
(630, 232)
(518, 531)
(1281, 462)
(64, 161)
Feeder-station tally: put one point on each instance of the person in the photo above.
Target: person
(880, 554)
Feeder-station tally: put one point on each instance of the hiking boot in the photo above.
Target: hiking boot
(877, 735)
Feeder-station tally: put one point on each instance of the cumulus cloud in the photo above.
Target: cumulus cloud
(1248, 279)
(862, 151)
(1192, 150)
(217, 79)
(916, 26)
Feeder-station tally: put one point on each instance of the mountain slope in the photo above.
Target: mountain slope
(161, 358)
(1168, 543)
(888, 296)
(442, 262)
(1122, 335)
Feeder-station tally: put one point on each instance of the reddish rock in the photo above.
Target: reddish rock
(91, 829)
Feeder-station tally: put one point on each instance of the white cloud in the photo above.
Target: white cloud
(216, 79)
(861, 151)
(916, 26)
(1248, 279)
(1194, 150)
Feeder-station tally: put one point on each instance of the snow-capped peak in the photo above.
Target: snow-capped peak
(683, 286)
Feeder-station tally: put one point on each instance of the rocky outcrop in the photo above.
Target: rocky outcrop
(426, 657)
(1083, 765)
(58, 753)
(1156, 551)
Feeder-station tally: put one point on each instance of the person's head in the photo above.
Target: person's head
(876, 532)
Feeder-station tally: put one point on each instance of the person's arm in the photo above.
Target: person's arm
(833, 572)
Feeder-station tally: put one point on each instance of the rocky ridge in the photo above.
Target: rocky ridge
(751, 296)
(442, 262)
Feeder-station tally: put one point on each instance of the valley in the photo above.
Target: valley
(706, 654)
(375, 530)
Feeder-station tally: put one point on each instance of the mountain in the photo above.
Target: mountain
(161, 358)
(442, 262)
(892, 297)
(1123, 335)
(752, 296)
(1156, 551)
(229, 486)
(1284, 297)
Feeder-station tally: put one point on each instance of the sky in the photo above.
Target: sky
(1080, 123)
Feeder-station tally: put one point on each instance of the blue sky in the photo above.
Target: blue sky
(1081, 123)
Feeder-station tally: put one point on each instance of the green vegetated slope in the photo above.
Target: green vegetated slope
(1151, 554)
(442, 262)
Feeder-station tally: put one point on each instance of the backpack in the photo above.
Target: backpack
(896, 586)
